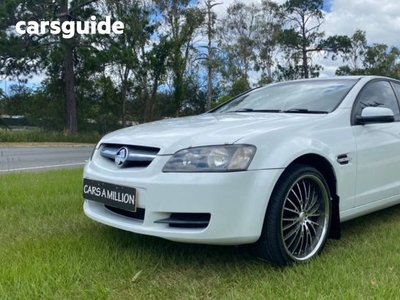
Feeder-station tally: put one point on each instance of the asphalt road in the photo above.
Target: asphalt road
(20, 159)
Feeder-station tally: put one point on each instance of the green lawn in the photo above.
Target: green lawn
(50, 250)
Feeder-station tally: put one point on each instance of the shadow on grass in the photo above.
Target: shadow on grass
(367, 223)
(168, 256)
(365, 230)
(161, 247)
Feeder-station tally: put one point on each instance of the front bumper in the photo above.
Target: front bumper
(235, 201)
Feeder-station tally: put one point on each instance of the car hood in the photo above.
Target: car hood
(171, 135)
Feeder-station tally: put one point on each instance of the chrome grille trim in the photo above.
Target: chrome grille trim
(137, 154)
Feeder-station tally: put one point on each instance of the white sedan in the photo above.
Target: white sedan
(278, 167)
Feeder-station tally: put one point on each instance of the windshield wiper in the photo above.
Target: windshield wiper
(292, 110)
(304, 111)
(257, 110)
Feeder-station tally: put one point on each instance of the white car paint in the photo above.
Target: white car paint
(237, 201)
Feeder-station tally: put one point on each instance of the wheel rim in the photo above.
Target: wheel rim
(305, 217)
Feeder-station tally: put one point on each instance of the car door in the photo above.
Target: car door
(378, 146)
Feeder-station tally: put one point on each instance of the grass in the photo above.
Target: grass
(38, 136)
(50, 250)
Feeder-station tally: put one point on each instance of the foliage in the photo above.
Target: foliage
(239, 87)
(248, 38)
(30, 53)
(210, 56)
(126, 56)
(221, 101)
(365, 59)
(181, 21)
(301, 37)
(18, 55)
(175, 58)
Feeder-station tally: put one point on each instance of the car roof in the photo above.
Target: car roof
(335, 78)
(348, 77)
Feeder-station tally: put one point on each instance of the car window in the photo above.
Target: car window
(311, 95)
(397, 87)
(378, 93)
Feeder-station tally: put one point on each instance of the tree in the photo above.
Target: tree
(182, 22)
(157, 69)
(211, 18)
(358, 47)
(267, 39)
(364, 59)
(28, 54)
(248, 40)
(126, 54)
(239, 87)
(18, 54)
(103, 110)
(236, 34)
(383, 60)
(17, 101)
(301, 39)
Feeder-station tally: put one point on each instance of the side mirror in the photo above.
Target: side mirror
(371, 115)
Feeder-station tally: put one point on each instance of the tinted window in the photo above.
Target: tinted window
(313, 95)
(397, 87)
(377, 94)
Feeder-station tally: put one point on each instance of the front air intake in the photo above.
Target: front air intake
(187, 220)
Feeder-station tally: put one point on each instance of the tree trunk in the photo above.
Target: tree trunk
(209, 85)
(304, 47)
(123, 95)
(72, 120)
(178, 94)
(152, 99)
(305, 64)
(209, 58)
(69, 78)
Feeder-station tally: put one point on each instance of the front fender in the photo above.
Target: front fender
(279, 151)
(285, 151)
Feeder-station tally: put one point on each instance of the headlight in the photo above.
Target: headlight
(211, 159)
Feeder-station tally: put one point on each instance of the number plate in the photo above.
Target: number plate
(110, 194)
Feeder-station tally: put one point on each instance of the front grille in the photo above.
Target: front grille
(138, 156)
(138, 215)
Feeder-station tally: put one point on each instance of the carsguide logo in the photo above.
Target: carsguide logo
(69, 28)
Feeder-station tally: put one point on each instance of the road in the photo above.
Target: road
(20, 159)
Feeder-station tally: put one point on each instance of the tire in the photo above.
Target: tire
(298, 217)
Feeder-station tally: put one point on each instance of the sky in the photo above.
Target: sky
(379, 19)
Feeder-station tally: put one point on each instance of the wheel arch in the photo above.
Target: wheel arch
(324, 166)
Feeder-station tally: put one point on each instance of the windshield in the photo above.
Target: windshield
(306, 96)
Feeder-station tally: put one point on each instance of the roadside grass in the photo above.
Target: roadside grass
(38, 136)
(50, 250)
